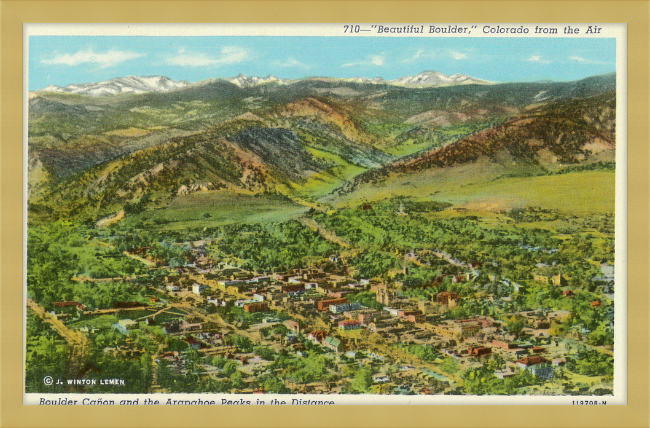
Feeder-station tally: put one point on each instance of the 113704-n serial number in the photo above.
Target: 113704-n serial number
(588, 403)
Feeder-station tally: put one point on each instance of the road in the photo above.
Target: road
(327, 234)
(192, 311)
(113, 310)
(78, 342)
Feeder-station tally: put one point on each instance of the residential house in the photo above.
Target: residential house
(349, 324)
(338, 293)
(448, 298)
(394, 312)
(456, 329)
(225, 283)
(412, 316)
(256, 307)
(198, 288)
(380, 378)
(559, 361)
(333, 343)
(194, 344)
(479, 351)
(337, 309)
(324, 305)
(503, 344)
(538, 366)
(504, 374)
(317, 336)
(368, 317)
(293, 326)
(293, 289)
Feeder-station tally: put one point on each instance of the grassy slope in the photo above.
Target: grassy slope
(132, 127)
(320, 184)
(578, 192)
(189, 211)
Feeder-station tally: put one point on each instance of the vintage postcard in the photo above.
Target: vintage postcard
(325, 214)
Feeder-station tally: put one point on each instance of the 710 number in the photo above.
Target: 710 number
(351, 28)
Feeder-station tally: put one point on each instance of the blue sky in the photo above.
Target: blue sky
(62, 60)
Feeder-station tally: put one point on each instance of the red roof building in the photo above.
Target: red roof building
(324, 305)
(503, 344)
(293, 288)
(349, 324)
(256, 307)
(68, 304)
(318, 336)
(479, 351)
(531, 361)
(412, 316)
(447, 296)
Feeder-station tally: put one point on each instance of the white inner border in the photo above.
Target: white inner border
(617, 31)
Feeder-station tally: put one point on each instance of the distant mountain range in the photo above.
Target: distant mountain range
(122, 85)
(313, 140)
(139, 85)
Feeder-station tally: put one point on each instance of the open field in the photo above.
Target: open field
(576, 192)
(212, 208)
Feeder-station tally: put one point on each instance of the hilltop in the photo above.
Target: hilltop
(91, 156)
(139, 85)
(569, 135)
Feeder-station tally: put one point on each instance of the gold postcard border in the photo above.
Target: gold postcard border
(13, 14)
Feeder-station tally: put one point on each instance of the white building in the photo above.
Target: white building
(380, 378)
(198, 288)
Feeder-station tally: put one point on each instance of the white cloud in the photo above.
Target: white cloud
(458, 55)
(370, 60)
(587, 61)
(377, 59)
(229, 55)
(108, 59)
(420, 54)
(538, 59)
(294, 63)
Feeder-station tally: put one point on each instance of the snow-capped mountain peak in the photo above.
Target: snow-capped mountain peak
(375, 80)
(122, 85)
(244, 81)
(143, 84)
(435, 78)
